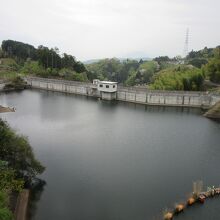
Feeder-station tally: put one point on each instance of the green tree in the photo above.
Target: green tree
(1, 53)
(16, 150)
(112, 69)
(212, 69)
(131, 81)
(198, 62)
(8, 179)
(19, 50)
(162, 59)
(32, 67)
(5, 213)
(8, 183)
(178, 78)
(68, 61)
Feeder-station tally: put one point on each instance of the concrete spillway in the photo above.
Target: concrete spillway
(131, 94)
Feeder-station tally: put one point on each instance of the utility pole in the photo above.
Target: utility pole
(29, 53)
(52, 60)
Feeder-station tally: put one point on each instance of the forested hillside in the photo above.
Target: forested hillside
(191, 74)
(18, 167)
(162, 72)
(181, 77)
(41, 61)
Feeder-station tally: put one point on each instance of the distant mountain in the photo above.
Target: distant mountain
(135, 58)
(121, 59)
(91, 61)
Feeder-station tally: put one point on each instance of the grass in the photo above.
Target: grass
(8, 69)
(7, 61)
(215, 90)
(8, 75)
(214, 112)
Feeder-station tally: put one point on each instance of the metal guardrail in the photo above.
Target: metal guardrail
(135, 89)
(59, 81)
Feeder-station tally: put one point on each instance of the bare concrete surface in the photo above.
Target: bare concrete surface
(22, 205)
(6, 109)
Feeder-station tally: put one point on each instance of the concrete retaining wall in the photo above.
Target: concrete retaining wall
(2, 85)
(22, 205)
(63, 86)
(132, 94)
(108, 95)
(167, 98)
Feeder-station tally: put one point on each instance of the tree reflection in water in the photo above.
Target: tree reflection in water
(37, 189)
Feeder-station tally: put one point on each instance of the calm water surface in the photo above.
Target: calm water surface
(115, 161)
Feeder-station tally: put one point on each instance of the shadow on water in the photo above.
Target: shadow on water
(215, 120)
(51, 95)
(159, 108)
(35, 195)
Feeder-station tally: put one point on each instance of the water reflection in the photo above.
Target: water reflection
(114, 160)
(35, 195)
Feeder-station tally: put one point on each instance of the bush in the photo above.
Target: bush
(131, 79)
(179, 78)
(16, 83)
(32, 67)
(198, 62)
(72, 75)
(18, 165)
(16, 150)
(212, 69)
(5, 213)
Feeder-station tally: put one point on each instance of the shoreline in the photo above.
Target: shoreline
(213, 112)
(128, 94)
(22, 205)
(6, 109)
(189, 99)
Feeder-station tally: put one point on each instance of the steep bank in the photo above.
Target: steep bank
(18, 169)
(14, 84)
(214, 112)
(6, 109)
(22, 205)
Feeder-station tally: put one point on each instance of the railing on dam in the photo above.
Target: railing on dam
(169, 92)
(59, 81)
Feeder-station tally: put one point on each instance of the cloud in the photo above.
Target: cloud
(103, 28)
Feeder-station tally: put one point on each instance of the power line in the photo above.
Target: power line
(186, 44)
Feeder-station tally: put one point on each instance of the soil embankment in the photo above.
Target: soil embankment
(6, 109)
(214, 112)
(22, 205)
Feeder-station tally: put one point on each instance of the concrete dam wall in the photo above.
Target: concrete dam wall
(167, 98)
(131, 94)
(2, 85)
(74, 87)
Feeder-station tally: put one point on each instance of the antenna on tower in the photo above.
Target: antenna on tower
(186, 44)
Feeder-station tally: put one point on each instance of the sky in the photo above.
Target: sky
(94, 29)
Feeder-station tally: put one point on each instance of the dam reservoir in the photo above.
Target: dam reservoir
(115, 160)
